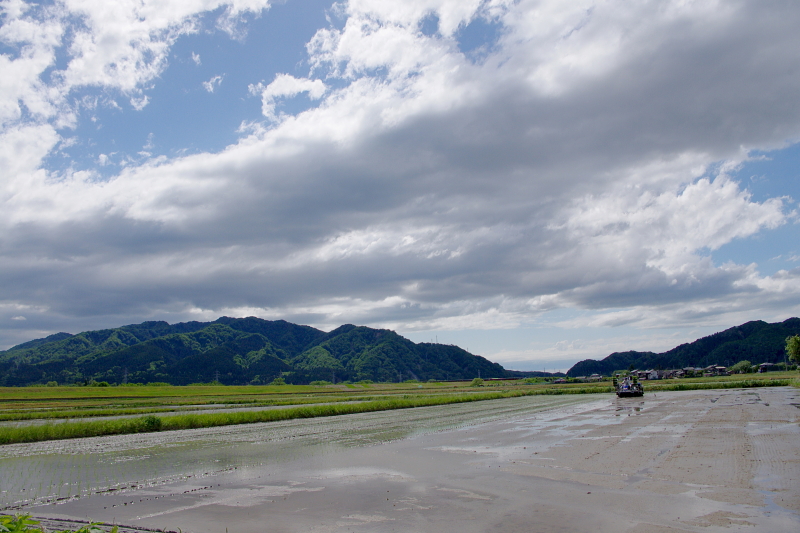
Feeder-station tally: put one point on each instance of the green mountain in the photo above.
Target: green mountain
(757, 342)
(235, 351)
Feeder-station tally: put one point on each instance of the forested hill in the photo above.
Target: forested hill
(757, 342)
(235, 351)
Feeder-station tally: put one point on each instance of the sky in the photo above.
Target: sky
(536, 181)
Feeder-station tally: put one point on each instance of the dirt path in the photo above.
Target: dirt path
(701, 461)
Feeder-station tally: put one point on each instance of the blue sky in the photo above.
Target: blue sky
(768, 175)
(537, 181)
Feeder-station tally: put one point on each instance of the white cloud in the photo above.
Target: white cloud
(196, 59)
(22, 148)
(586, 163)
(20, 84)
(285, 85)
(121, 45)
(451, 14)
(125, 43)
(629, 228)
(140, 103)
(213, 83)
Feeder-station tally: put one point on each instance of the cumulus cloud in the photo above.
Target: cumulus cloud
(586, 163)
(117, 46)
(285, 85)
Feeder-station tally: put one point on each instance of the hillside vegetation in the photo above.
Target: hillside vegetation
(757, 341)
(235, 351)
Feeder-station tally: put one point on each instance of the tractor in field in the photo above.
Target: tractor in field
(627, 386)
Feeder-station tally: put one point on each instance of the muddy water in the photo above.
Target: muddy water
(64, 470)
(695, 461)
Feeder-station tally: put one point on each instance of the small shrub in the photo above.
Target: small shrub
(477, 382)
(151, 423)
(278, 381)
(320, 383)
(52, 383)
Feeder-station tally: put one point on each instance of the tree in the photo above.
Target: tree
(742, 367)
(793, 348)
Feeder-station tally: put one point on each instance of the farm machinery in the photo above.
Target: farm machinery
(627, 386)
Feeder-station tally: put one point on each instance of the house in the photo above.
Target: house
(714, 370)
(767, 367)
(646, 374)
(691, 371)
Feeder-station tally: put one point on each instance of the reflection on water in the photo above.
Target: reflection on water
(63, 470)
(626, 405)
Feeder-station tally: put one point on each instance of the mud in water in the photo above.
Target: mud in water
(675, 461)
(57, 471)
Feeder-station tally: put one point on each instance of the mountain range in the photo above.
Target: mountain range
(252, 350)
(235, 351)
(757, 342)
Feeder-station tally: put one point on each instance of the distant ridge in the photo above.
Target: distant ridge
(235, 351)
(757, 342)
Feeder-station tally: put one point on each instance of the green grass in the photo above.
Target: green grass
(21, 523)
(742, 384)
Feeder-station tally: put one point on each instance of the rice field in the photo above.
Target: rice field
(79, 442)
(61, 470)
(35, 414)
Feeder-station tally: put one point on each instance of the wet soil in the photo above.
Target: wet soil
(699, 461)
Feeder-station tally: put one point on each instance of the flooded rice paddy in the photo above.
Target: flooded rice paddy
(697, 461)
(61, 471)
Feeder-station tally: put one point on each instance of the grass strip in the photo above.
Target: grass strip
(28, 415)
(744, 384)
(150, 423)
(24, 523)
(19, 415)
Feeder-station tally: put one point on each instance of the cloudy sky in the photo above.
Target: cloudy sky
(538, 181)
